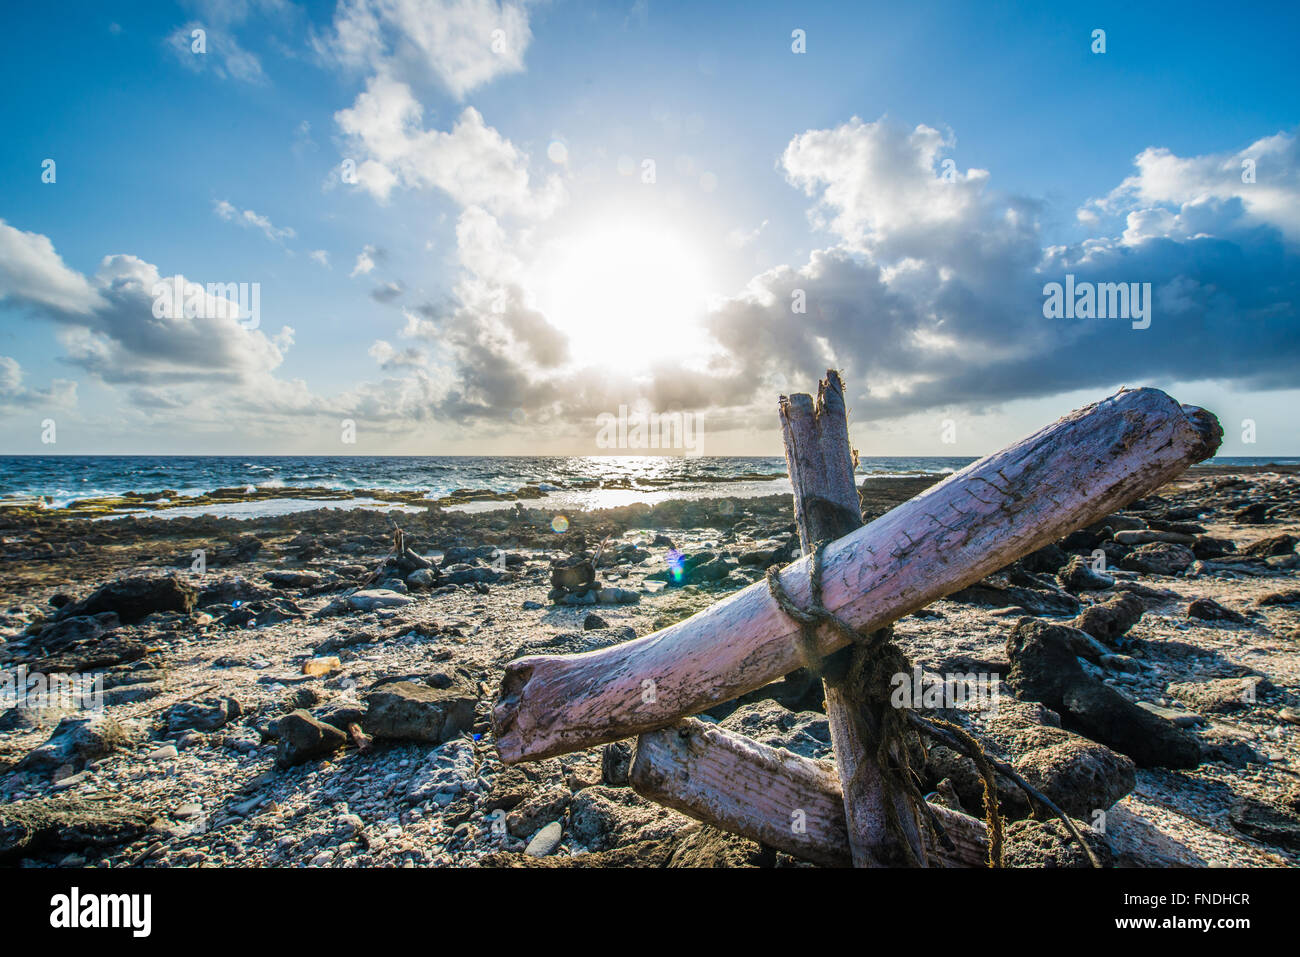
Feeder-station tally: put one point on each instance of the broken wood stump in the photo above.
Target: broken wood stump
(821, 461)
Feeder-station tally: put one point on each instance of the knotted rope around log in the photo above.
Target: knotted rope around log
(866, 683)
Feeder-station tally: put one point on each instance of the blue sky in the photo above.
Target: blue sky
(502, 272)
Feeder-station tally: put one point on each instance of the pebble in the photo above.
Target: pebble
(545, 840)
(166, 753)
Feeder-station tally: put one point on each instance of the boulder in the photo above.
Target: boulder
(302, 738)
(293, 579)
(206, 715)
(407, 711)
(375, 598)
(546, 840)
(68, 823)
(806, 733)
(615, 762)
(1274, 545)
(1159, 558)
(601, 817)
(1044, 669)
(76, 741)
(1047, 844)
(538, 809)
(1078, 575)
(1207, 609)
(422, 578)
(134, 599)
(1109, 621)
(68, 632)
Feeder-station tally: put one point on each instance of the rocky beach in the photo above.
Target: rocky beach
(315, 688)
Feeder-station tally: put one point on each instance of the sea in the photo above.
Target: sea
(568, 481)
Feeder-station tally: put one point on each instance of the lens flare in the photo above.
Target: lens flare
(559, 524)
(676, 565)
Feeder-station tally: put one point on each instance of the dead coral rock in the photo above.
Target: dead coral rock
(1048, 844)
(67, 823)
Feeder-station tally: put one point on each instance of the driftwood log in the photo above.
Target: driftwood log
(770, 795)
(821, 460)
(1065, 476)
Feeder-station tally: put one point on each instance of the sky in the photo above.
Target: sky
(478, 227)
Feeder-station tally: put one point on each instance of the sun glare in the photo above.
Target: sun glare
(629, 293)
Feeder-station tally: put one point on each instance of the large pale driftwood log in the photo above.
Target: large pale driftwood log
(1004, 506)
(770, 795)
(820, 460)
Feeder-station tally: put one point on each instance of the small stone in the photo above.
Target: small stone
(545, 841)
(321, 666)
(167, 752)
(1184, 719)
(188, 810)
(376, 598)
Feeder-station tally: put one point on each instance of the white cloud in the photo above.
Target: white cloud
(251, 220)
(473, 163)
(1206, 195)
(365, 262)
(61, 394)
(31, 271)
(460, 44)
(739, 238)
(878, 180)
(320, 256)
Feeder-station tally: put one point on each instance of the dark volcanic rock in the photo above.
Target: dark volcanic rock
(1049, 844)
(302, 737)
(136, 598)
(76, 741)
(1110, 621)
(1253, 514)
(71, 631)
(202, 715)
(1207, 547)
(575, 643)
(1207, 609)
(1078, 575)
(406, 711)
(806, 733)
(1044, 669)
(615, 761)
(1159, 558)
(67, 823)
(1046, 560)
(1271, 823)
(1276, 545)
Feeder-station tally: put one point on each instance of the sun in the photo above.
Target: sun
(631, 293)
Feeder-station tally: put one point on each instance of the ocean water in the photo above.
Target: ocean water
(64, 478)
(618, 480)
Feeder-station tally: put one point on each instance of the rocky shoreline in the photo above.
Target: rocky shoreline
(316, 689)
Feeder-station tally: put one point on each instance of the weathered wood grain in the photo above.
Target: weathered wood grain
(1067, 475)
(770, 795)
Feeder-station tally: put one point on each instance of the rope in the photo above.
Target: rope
(866, 684)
